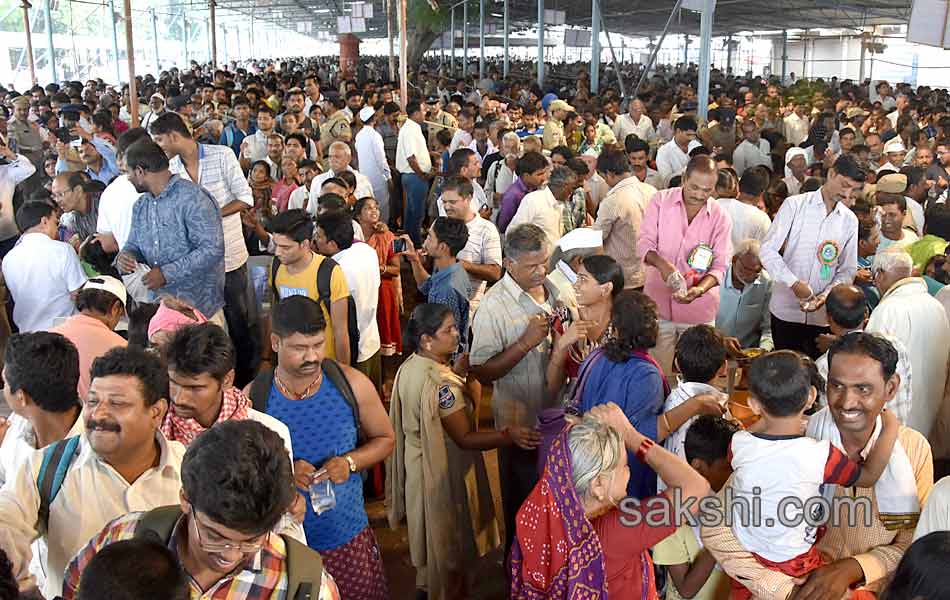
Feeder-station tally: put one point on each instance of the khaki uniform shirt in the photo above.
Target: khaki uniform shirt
(553, 134)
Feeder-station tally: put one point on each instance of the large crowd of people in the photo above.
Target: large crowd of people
(284, 291)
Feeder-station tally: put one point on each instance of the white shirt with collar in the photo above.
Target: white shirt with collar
(478, 199)
(670, 160)
(299, 198)
(540, 208)
(801, 226)
(17, 447)
(796, 128)
(411, 142)
(916, 212)
(748, 155)
(363, 186)
(371, 153)
(360, 265)
(748, 222)
(115, 209)
(41, 273)
(256, 146)
(624, 125)
(73, 518)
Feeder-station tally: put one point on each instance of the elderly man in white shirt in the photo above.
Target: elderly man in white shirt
(122, 461)
(371, 154)
(634, 122)
(796, 125)
(811, 247)
(752, 151)
(909, 313)
(543, 207)
(795, 164)
(338, 159)
(673, 156)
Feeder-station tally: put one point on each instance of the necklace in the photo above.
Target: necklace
(286, 391)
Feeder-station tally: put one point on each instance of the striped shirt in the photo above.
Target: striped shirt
(219, 172)
(264, 577)
(790, 253)
(483, 248)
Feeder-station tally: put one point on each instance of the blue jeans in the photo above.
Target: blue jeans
(415, 190)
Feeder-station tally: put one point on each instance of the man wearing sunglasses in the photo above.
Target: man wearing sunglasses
(236, 484)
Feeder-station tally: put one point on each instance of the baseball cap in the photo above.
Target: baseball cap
(892, 184)
(432, 100)
(108, 284)
(559, 105)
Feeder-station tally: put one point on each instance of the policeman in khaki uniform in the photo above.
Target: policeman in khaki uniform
(23, 135)
(554, 127)
(438, 119)
(337, 126)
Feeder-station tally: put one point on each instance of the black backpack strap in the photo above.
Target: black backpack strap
(304, 571)
(260, 390)
(274, 266)
(324, 278)
(158, 522)
(335, 373)
(56, 460)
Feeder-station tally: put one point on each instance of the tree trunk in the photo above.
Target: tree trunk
(420, 40)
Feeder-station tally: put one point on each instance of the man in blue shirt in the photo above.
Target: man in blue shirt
(176, 231)
(744, 299)
(238, 129)
(97, 155)
(449, 284)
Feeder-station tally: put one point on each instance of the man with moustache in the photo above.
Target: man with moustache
(122, 461)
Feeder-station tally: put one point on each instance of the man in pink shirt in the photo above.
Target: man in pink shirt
(100, 305)
(685, 243)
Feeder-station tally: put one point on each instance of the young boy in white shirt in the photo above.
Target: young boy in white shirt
(773, 462)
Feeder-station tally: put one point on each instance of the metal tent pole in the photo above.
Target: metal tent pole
(464, 40)
(613, 55)
(541, 44)
(481, 39)
(403, 56)
(50, 47)
(452, 58)
(214, 33)
(130, 49)
(158, 62)
(184, 33)
(705, 55)
(656, 49)
(505, 65)
(115, 41)
(594, 47)
(29, 40)
(784, 54)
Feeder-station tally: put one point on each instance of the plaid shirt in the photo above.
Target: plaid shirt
(264, 578)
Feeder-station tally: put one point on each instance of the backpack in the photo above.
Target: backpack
(304, 566)
(324, 275)
(261, 386)
(56, 460)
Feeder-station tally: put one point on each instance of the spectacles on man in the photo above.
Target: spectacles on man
(217, 547)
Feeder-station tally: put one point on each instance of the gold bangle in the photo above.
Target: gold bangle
(669, 429)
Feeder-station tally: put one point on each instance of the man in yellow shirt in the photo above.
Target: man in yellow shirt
(554, 127)
(296, 273)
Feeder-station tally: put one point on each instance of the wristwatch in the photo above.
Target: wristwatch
(352, 463)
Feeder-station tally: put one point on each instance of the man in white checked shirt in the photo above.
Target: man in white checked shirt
(810, 248)
(216, 169)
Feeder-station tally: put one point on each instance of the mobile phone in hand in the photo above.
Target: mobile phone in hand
(399, 246)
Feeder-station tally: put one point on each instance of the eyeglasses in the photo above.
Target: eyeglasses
(216, 547)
